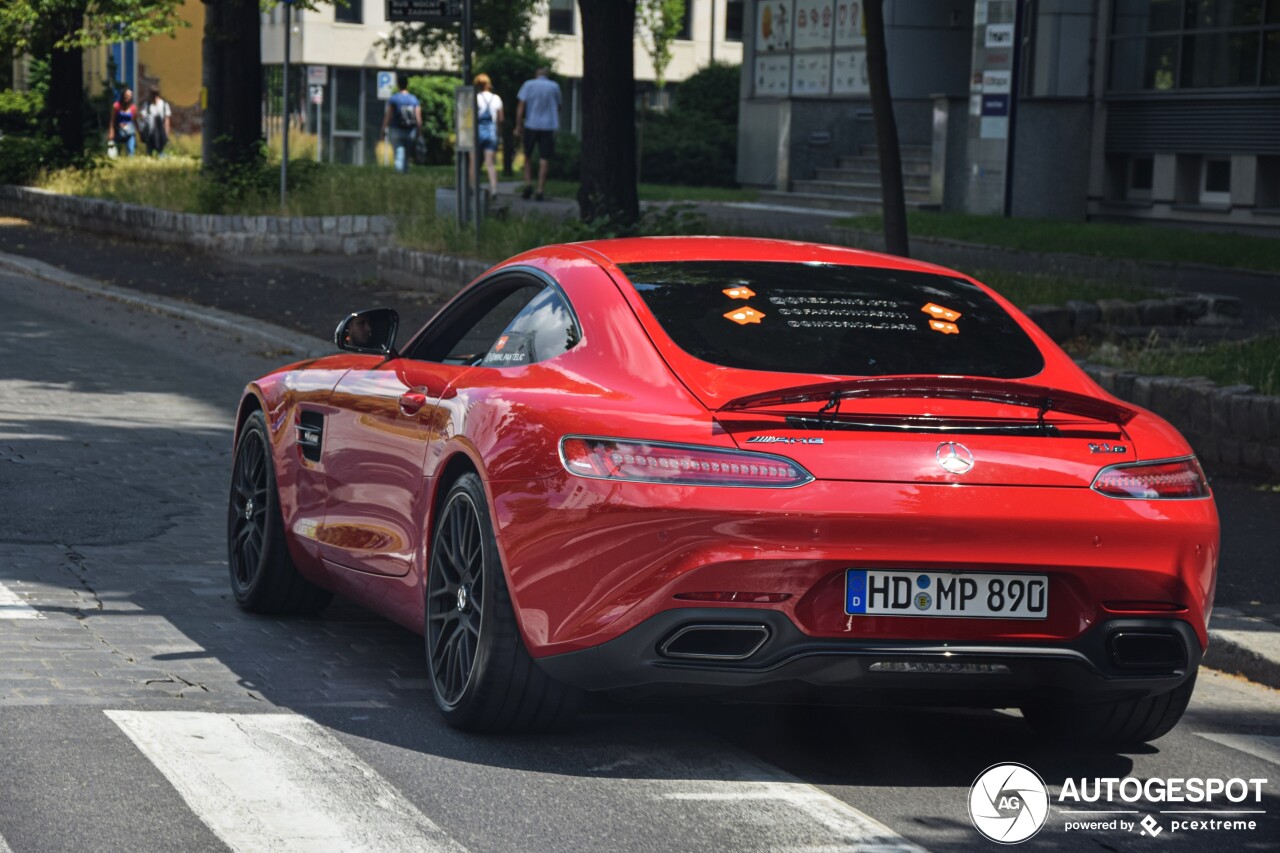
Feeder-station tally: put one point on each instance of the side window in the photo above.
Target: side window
(520, 323)
(479, 338)
(543, 329)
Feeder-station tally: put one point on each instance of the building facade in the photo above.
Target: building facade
(1153, 110)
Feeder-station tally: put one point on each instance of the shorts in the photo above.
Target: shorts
(543, 140)
(488, 143)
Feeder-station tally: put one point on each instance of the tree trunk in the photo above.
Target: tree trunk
(891, 194)
(65, 105)
(232, 76)
(608, 187)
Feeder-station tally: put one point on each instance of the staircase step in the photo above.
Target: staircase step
(916, 181)
(910, 165)
(819, 201)
(862, 189)
(922, 151)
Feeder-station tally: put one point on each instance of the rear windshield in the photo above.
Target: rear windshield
(826, 318)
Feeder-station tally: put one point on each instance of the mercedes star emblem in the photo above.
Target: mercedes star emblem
(954, 458)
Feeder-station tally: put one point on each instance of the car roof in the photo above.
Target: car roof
(634, 250)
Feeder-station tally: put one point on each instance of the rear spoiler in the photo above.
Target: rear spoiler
(940, 387)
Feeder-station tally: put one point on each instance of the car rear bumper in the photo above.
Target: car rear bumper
(760, 655)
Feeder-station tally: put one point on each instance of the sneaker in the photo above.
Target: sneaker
(528, 191)
(538, 197)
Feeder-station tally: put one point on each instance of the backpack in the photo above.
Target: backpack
(407, 116)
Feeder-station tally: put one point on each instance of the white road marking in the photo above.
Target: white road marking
(853, 829)
(1264, 747)
(13, 607)
(4, 848)
(279, 782)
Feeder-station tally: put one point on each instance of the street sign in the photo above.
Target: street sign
(317, 95)
(425, 11)
(317, 75)
(465, 110)
(386, 84)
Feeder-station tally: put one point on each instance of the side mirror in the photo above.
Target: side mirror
(372, 331)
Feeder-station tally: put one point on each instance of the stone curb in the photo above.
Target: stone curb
(1078, 317)
(275, 337)
(1244, 645)
(337, 235)
(415, 270)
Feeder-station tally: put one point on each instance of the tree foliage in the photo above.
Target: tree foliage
(60, 30)
(497, 24)
(436, 95)
(659, 23)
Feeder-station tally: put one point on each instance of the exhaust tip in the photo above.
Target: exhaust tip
(715, 642)
(1146, 650)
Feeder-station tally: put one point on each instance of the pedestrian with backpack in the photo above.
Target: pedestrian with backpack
(402, 122)
(488, 127)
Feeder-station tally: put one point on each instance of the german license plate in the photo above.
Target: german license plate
(875, 592)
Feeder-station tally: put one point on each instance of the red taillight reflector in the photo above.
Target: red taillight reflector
(736, 597)
(1165, 480)
(676, 464)
(1143, 607)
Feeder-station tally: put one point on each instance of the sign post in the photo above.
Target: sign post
(284, 107)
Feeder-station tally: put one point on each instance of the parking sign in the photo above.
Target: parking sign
(386, 84)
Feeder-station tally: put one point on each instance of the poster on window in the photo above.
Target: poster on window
(815, 21)
(773, 76)
(812, 74)
(773, 26)
(850, 31)
(849, 73)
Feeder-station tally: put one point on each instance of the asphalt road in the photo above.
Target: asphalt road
(140, 710)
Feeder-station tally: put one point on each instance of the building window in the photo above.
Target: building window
(686, 23)
(1194, 44)
(561, 17)
(1141, 177)
(350, 13)
(733, 20)
(1215, 181)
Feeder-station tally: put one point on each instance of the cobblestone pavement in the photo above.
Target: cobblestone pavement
(115, 473)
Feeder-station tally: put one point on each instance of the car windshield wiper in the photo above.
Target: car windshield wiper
(1039, 397)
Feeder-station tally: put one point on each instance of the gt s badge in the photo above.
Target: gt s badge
(1103, 447)
(779, 439)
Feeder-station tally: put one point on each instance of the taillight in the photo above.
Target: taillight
(1168, 479)
(677, 464)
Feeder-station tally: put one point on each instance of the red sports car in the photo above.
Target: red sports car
(747, 469)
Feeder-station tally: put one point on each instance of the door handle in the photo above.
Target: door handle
(411, 402)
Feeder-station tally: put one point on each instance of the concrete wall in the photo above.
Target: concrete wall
(1051, 158)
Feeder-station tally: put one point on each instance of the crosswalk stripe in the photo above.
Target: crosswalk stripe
(279, 782)
(13, 607)
(1265, 747)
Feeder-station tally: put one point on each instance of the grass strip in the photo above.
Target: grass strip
(1102, 239)
(1253, 362)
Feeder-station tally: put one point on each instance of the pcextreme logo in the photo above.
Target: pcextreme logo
(1008, 803)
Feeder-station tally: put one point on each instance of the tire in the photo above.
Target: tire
(482, 676)
(263, 576)
(1123, 722)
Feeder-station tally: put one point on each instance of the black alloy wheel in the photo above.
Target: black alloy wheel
(247, 516)
(455, 598)
(482, 676)
(264, 578)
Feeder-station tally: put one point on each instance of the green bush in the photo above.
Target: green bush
(688, 148)
(237, 187)
(437, 97)
(712, 92)
(22, 158)
(567, 164)
(19, 111)
(696, 142)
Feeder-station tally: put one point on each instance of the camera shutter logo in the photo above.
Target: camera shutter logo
(1008, 803)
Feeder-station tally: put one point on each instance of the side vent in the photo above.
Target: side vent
(310, 429)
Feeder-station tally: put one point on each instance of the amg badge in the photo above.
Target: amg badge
(779, 439)
(1103, 447)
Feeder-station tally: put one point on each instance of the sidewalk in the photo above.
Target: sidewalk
(290, 304)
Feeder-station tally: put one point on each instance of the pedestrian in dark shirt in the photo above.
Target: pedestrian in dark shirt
(402, 123)
(123, 130)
